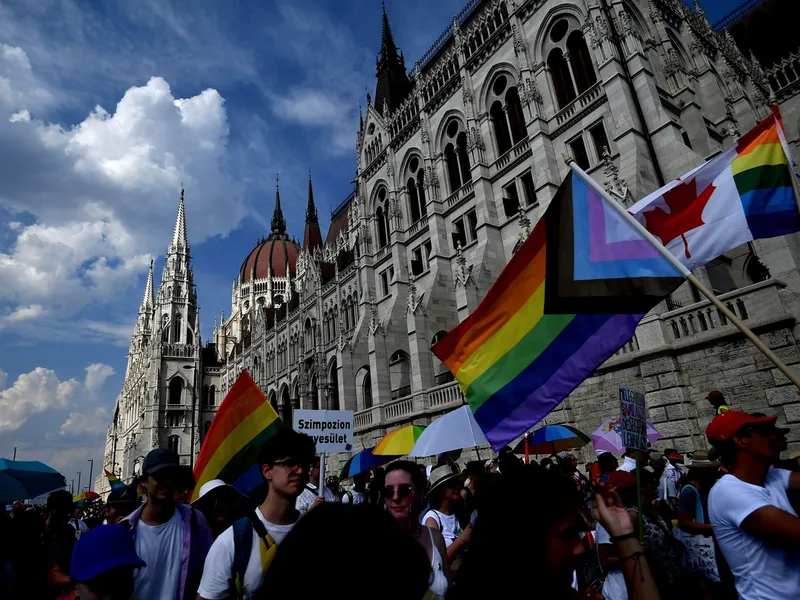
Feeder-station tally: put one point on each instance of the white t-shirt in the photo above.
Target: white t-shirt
(358, 497)
(309, 496)
(448, 525)
(161, 547)
(614, 587)
(628, 464)
(218, 569)
(762, 571)
(80, 527)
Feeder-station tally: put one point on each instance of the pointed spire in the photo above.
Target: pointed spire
(149, 301)
(360, 119)
(388, 47)
(278, 222)
(393, 85)
(311, 209)
(312, 236)
(179, 234)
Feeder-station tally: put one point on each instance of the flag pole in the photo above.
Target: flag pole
(655, 243)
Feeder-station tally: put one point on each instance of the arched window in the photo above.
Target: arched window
(562, 80)
(175, 390)
(189, 337)
(383, 234)
(176, 328)
(453, 175)
(353, 312)
(400, 374)
(346, 316)
(333, 386)
(366, 387)
(212, 395)
(174, 443)
(413, 199)
(501, 134)
(421, 191)
(463, 157)
(516, 120)
(581, 62)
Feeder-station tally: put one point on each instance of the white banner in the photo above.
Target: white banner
(331, 430)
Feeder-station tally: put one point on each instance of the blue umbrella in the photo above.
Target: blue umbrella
(363, 461)
(22, 480)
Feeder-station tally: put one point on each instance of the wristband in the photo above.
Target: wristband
(625, 536)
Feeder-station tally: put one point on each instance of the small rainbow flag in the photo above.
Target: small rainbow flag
(570, 297)
(744, 193)
(114, 481)
(244, 421)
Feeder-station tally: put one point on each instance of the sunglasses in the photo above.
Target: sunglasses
(404, 490)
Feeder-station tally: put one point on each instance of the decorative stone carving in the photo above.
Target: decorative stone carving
(524, 225)
(414, 302)
(519, 43)
(613, 183)
(474, 139)
(375, 325)
(456, 31)
(462, 272)
(466, 93)
(390, 170)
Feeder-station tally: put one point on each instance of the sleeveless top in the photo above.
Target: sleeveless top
(438, 583)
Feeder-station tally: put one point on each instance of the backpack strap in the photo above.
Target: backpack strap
(349, 494)
(242, 546)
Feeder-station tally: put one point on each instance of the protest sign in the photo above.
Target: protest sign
(632, 414)
(331, 430)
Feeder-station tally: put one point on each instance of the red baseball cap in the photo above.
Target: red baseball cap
(714, 394)
(723, 426)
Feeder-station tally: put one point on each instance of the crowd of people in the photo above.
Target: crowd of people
(711, 525)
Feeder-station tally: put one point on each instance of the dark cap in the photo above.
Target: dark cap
(159, 459)
(122, 495)
(714, 395)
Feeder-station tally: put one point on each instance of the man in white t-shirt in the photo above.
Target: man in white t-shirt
(308, 499)
(172, 538)
(749, 509)
(244, 550)
(358, 494)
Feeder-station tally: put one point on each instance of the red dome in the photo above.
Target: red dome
(276, 253)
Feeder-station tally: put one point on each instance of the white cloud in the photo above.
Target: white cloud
(104, 192)
(96, 375)
(32, 393)
(79, 424)
(22, 313)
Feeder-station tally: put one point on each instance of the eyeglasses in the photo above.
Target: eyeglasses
(294, 464)
(404, 490)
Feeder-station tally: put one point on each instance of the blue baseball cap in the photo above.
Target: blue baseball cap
(101, 549)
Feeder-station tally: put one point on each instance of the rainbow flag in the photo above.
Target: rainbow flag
(743, 194)
(569, 298)
(114, 481)
(244, 421)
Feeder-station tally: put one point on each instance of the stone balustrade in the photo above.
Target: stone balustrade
(434, 400)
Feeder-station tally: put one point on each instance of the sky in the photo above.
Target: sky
(106, 108)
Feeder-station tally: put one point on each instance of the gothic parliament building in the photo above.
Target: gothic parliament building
(457, 157)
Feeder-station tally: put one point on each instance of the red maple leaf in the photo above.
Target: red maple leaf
(685, 213)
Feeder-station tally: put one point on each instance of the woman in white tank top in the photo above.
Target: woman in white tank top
(403, 493)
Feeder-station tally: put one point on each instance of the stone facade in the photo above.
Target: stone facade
(456, 164)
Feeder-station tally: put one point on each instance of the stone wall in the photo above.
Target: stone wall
(676, 374)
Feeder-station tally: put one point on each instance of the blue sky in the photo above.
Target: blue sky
(105, 108)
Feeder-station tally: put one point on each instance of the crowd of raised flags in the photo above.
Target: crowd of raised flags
(261, 524)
